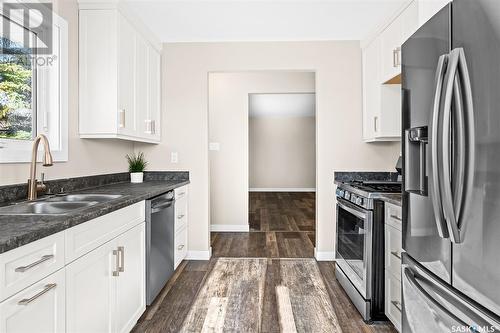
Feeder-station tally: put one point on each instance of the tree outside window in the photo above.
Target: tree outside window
(16, 93)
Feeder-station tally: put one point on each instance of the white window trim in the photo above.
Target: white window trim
(19, 151)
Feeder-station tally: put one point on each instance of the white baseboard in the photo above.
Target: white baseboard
(282, 189)
(230, 228)
(199, 255)
(324, 256)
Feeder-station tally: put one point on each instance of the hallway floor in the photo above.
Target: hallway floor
(282, 225)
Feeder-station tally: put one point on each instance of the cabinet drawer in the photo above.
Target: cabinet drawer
(393, 250)
(39, 308)
(87, 236)
(181, 192)
(30, 263)
(393, 299)
(180, 247)
(180, 214)
(393, 215)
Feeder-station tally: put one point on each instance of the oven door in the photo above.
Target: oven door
(354, 244)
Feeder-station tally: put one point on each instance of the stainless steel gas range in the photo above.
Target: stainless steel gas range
(360, 243)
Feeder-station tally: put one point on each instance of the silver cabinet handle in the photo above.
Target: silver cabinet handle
(121, 118)
(181, 194)
(398, 56)
(180, 247)
(397, 305)
(375, 123)
(153, 127)
(121, 252)
(148, 126)
(116, 272)
(46, 289)
(396, 254)
(394, 58)
(395, 217)
(180, 216)
(43, 259)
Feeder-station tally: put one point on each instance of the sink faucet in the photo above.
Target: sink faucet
(33, 185)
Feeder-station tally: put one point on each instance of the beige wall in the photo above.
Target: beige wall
(85, 157)
(282, 152)
(228, 126)
(337, 65)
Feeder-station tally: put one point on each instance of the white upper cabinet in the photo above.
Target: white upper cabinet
(382, 70)
(119, 75)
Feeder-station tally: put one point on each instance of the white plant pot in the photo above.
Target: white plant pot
(136, 177)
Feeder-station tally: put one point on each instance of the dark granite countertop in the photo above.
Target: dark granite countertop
(18, 230)
(394, 198)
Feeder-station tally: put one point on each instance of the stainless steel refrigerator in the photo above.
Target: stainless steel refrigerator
(451, 178)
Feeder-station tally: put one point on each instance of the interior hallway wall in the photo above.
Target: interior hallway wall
(228, 126)
(282, 153)
(339, 145)
(85, 157)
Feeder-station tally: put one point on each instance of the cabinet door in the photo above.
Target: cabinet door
(126, 77)
(391, 45)
(90, 294)
(141, 85)
(371, 90)
(39, 308)
(131, 283)
(154, 113)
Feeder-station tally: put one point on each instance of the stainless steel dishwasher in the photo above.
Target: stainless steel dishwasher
(160, 230)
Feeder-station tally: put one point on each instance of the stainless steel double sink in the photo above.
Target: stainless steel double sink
(57, 205)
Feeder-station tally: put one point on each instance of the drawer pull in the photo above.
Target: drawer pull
(121, 253)
(395, 217)
(181, 194)
(43, 259)
(396, 254)
(397, 305)
(46, 289)
(180, 247)
(180, 216)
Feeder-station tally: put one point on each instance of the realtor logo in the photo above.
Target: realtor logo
(28, 26)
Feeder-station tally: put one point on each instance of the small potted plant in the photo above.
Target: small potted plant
(136, 166)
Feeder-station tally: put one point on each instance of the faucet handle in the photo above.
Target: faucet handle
(42, 176)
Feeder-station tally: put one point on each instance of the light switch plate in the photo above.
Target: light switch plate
(174, 157)
(214, 146)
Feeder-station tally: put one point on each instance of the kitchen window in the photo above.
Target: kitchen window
(33, 84)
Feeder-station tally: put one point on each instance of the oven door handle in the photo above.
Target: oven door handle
(353, 211)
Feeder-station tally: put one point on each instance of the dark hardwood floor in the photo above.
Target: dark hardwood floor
(282, 225)
(171, 308)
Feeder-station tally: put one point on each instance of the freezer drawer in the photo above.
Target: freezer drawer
(430, 305)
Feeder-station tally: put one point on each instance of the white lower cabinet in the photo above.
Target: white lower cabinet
(393, 249)
(130, 284)
(38, 308)
(181, 225)
(106, 287)
(91, 291)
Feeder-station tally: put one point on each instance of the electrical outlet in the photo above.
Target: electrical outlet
(174, 157)
(214, 146)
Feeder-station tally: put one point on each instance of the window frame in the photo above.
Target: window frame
(51, 100)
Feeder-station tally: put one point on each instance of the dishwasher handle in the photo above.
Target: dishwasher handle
(162, 202)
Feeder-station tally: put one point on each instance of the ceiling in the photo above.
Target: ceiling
(282, 105)
(260, 20)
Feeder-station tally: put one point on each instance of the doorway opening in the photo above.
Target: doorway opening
(262, 133)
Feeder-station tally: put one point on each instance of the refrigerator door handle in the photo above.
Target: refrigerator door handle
(444, 147)
(469, 139)
(434, 130)
(413, 283)
(458, 90)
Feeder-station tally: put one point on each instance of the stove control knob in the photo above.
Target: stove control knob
(347, 195)
(353, 198)
(359, 201)
(341, 193)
